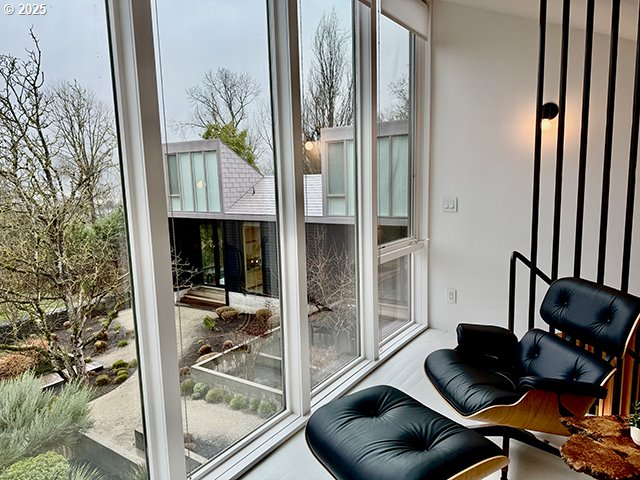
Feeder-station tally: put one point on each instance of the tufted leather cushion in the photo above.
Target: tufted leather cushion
(600, 316)
(467, 384)
(543, 354)
(383, 434)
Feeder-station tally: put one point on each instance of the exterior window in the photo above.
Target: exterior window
(252, 256)
(213, 183)
(233, 237)
(186, 184)
(327, 99)
(224, 238)
(199, 181)
(174, 183)
(394, 154)
(394, 176)
(394, 295)
(65, 295)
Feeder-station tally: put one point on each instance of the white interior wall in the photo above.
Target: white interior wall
(484, 69)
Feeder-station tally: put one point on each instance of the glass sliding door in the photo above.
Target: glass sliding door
(69, 376)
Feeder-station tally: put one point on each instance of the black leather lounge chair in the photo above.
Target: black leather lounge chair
(529, 384)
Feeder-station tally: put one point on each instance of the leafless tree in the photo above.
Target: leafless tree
(52, 257)
(85, 133)
(331, 284)
(328, 98)
(222, 98)
(401, 107)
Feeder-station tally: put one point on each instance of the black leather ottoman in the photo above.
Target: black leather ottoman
(382, 433)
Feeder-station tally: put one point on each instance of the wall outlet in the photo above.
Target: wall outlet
(452, 295)
(450, 204)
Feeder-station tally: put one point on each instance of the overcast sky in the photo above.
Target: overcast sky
(195, 36)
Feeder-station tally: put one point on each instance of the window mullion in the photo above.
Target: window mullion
(131, 34)
(285, 91)
(366, 111)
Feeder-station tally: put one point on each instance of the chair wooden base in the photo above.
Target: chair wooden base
(536, 410)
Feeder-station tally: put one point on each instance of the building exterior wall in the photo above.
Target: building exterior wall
(237, 176)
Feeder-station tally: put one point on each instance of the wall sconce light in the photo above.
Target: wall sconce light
(549, 112)
(309, 145)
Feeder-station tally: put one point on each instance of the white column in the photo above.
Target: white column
(131, 35)
(285, 91)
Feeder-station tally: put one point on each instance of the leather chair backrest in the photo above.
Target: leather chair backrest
(600, 316)
(543, 354)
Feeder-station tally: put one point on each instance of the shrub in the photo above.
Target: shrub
(199, 391)
(100, 346)
(136, 472)
(254, 404)
(238, 402)
(46, 466)
(263, 314)
(204, 349)
(102, 380)
(123, 343)
(117, 327)
(267, 408)
(121, 378)
(184, 371)
(36, 420)
(122, 371)
(229, 315)
(118, 364)
(209, 323)
(133, 363)
(186, 387)
(215, 395)
(221, 310)
(227, 345)
(13, 365)
(85, 472)
(274, 321)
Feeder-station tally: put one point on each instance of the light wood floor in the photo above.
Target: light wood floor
(293, 460)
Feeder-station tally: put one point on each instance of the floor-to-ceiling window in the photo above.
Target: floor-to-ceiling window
(214, 84)
(327, 87)
(238, 135)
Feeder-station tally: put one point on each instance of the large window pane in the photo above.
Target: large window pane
(215, 73)
(394, 113)
(199, 181)
(327, 99)
(64, 276)
(394, 173)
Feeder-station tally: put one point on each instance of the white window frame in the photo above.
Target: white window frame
(131, 31)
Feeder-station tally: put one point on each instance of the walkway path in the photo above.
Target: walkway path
(118, 413)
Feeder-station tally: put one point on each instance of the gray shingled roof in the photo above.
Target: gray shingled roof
(261, 199)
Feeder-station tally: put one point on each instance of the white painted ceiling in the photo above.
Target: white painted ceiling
(531, 9)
